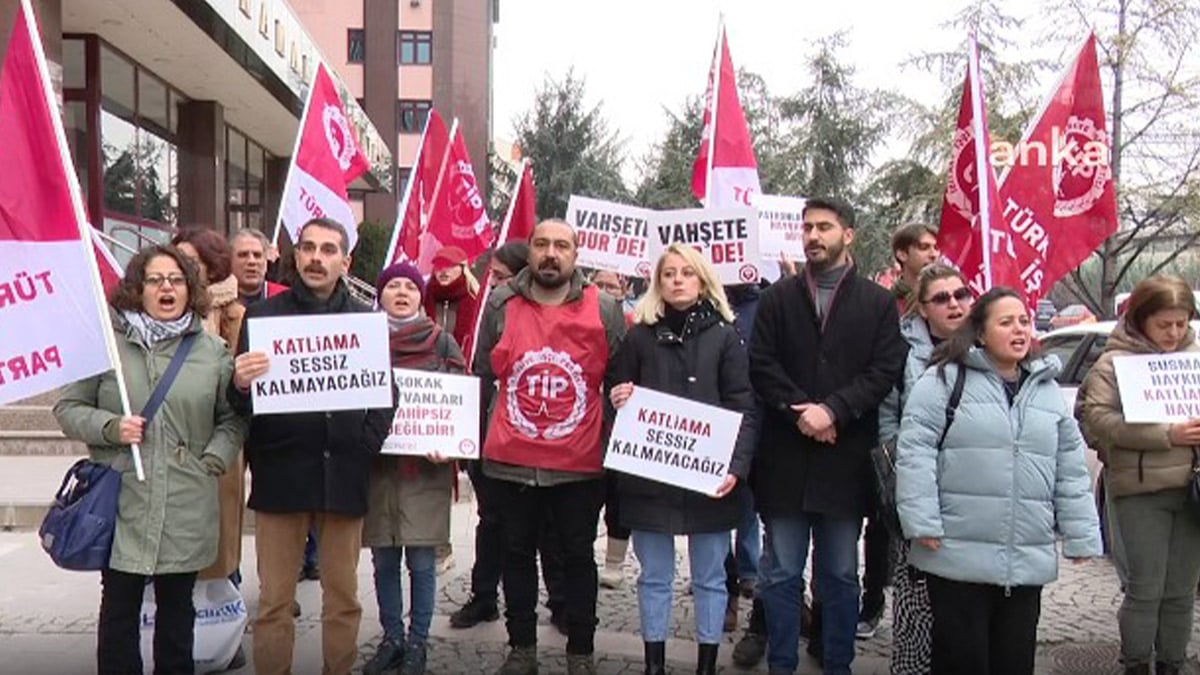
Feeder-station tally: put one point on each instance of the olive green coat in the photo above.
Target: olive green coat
(168, 523)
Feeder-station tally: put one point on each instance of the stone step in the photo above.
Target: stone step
(28, 418)
(38, 443)
(48, 399)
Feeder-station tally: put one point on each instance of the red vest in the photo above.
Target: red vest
(549, 366)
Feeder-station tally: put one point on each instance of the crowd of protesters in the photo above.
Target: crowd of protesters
(824, 366)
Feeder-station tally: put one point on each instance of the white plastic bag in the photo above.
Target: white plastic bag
(220, 622)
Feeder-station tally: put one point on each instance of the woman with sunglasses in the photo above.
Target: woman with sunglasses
(942, 300)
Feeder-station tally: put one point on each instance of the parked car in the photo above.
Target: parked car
(1045, 312)
(1072, 315)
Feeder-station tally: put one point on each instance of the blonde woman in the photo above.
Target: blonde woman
(683, 343)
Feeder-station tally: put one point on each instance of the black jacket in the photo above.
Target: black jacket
(849, 366)
(709, 365)
(316, 461)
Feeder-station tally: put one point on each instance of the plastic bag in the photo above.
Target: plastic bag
(220, 622)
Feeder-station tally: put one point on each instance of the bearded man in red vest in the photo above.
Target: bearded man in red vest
(546, 343)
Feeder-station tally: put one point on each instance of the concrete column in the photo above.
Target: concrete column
(380, 92)
(202, 191)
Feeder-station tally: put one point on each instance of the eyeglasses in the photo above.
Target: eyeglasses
(960, 294)
(158, 280)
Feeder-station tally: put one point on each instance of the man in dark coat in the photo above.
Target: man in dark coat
(826, 349)
(308, 469)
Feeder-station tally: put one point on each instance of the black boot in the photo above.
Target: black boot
(706, 660)
(656, 658)
(1140, 669)
(1162, 668)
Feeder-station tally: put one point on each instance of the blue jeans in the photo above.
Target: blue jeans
(748, 542)
(310, 550)
(422, 576)
(655, 552)
(780, 584)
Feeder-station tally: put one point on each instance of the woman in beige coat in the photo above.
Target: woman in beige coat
(1146, 471)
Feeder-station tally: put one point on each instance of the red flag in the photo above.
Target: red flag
(1058, 197)
(326, 160)
(973, 234)
(413, 217)
(55, 322)
(457, 215)
(110, 270)
(518, 226)
(725, 172)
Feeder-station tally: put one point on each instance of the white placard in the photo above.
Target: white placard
(780, 227)
(612, 236)
(673, 440)
(1159, 387)
(322, 362)
(727, 237)
(438, 412)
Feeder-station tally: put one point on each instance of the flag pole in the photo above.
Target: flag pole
(981, 161)
(718, 61)
(81, 221)
(501, 239)
(403, 206)
(287, 182)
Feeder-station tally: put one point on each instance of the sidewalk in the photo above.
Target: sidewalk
(48, 619)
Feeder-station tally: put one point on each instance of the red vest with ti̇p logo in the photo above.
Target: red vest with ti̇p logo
(549, 366)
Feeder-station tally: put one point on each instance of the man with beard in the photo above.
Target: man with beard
(826, 349)
(308, 470)
(545, 347)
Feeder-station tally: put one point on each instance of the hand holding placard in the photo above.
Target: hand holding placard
(1185, 433)
(249, 366)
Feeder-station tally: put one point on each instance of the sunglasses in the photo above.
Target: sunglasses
(960, 294)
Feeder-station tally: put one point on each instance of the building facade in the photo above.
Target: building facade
(185, 112)
(402, 57)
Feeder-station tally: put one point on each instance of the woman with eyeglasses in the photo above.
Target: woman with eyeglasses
(942, 300)
(167, 525)
(985, 495)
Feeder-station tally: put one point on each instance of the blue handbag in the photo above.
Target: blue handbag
(77, 531)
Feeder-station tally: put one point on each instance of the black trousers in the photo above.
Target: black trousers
(878, 564)
(525, 510)
(983, 629)
(489, 546)
(612, 508)
(118, 635)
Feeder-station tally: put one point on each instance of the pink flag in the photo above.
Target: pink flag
(413, 216)
(725, 172)
(1058, 197)
(53, 320)
(327, 158)
(457, 215)
(110, 270)
(973, 234)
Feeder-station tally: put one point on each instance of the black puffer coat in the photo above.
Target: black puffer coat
(316, 461)
(707, 364)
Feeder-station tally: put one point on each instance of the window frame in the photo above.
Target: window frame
(414, 39)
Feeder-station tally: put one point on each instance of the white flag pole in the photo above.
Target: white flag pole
(287, 182)
(81, 221)
(715, 103)
(408, 188)
(981, 161)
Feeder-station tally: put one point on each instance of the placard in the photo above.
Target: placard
(780, 227)
(673, 440)
(727, 237)
(438, 412)
(1159, 387)
(322, 362)
(612, 236)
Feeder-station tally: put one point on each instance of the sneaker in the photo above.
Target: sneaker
(476, 611)
(520, 661)
(581, 664)
(389, 656)
(613, 578)
(867, 629)
(749, 651)
(445, 564)
(414, 659)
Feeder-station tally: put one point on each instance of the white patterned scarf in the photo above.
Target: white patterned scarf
(153, 331)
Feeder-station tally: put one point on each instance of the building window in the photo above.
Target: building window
(411, 115)
(245, 181)
(402, 176)
(415, 46)
(356, 45)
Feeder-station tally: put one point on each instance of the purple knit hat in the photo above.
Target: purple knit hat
(403, 269)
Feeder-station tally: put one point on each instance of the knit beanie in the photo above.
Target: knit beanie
(403, 269)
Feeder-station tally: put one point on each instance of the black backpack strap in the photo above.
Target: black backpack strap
(164, 383)
(960, 380)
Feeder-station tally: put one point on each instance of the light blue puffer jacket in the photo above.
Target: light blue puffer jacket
(1006, 480)
(920, 349)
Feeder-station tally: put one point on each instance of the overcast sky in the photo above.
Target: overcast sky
(639, 56)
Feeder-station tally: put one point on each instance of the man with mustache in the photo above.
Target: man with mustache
(308, 470)
(826, 349)
(546, 343)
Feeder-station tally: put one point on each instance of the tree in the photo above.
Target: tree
(571, 146)
(131, 180)
(373, 240)
(666, 181)
(1147, 51)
